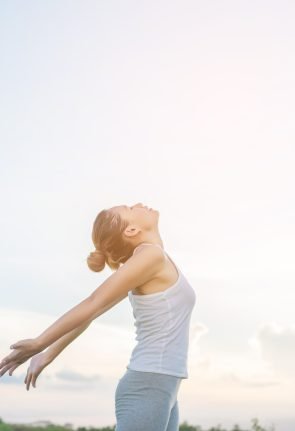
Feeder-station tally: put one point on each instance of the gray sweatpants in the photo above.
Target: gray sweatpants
(146, 401)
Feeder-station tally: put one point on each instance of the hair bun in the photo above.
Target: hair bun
(96, 260)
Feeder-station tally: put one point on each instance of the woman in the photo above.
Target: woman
(128, 240)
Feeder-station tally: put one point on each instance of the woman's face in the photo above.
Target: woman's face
(139, 215)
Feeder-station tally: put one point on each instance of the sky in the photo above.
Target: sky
(187, 107)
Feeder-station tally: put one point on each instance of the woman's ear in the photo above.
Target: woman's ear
(131, 231)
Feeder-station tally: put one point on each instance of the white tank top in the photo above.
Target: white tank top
(162, 321)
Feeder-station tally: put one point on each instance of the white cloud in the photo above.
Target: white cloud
(277, 347)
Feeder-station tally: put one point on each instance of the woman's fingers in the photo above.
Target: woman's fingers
(3, 370)
(10, 366)
(8, 357)
(5, 361)
(23, 350)
(34, 380)
(29, 381)
(12, 369)
(37, 364)
(9, 360)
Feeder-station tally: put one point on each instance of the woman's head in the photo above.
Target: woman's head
(117, 231)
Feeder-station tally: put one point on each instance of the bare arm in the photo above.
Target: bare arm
(59, 345)
(140, 268)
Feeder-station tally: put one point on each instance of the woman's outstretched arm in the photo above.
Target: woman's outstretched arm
(137, 270)
(140, 268)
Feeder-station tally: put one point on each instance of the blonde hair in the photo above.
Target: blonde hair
(110, 246)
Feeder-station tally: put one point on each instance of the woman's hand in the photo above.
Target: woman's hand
(37, 364)
(23, 350)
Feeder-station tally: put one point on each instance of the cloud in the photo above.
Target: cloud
(259, 381)
(277, 347)
(197, 330)
(65, 379)
(73, 376)
(69, 380)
